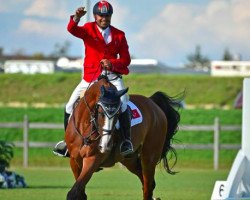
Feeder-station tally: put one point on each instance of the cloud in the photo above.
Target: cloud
(9, 5)
(45, 18)
(180, 27)
(41, 28)
(120, 15)
(4, 6)
(47, 8)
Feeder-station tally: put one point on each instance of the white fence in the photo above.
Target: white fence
(215, 146)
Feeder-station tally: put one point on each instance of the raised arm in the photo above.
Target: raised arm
(73, 28)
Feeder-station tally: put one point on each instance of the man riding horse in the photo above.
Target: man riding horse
(106, 48)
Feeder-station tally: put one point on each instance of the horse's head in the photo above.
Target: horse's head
(108, 108)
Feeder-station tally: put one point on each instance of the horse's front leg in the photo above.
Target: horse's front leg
(76, 166)
(89, 166)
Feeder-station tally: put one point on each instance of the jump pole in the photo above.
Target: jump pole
(237, 185)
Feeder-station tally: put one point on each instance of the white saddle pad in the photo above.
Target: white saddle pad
(136, 115)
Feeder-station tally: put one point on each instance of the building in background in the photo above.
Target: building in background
(29, 66)
(69, 65)
(230, 68)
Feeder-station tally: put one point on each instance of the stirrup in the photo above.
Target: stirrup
(128, 148)
(61, 149)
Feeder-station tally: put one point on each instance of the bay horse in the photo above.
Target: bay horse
(93, 141)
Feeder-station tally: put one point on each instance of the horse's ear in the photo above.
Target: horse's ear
(103, 90)
(121, 92)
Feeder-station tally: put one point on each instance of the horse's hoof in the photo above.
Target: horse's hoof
(156, 199)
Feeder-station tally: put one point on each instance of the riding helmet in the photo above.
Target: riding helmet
(103, 8)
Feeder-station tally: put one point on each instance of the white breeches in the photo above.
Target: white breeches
(83, 85)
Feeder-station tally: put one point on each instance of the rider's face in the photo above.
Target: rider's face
(103, 21)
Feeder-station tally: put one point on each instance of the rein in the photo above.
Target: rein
(86, 139)
(93, 123)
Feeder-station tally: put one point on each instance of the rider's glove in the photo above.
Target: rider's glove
(106, 64)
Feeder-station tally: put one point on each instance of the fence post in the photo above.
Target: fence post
(216, 142)
(25, 140)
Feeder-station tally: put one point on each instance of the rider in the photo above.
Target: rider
(105, 46)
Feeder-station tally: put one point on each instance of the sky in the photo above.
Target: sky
(166, 30)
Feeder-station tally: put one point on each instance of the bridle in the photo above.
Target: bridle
(110, 103)
(109, 111)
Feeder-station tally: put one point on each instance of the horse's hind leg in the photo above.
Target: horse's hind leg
(148, 182)
(134, 166)
(149, 159)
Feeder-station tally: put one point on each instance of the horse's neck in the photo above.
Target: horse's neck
(85, 109)
(86, 106)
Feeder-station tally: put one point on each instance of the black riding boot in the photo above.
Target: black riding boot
(126, 147)
(66, 119)
(61, 148)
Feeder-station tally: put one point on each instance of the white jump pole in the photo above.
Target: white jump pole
(87, 7)
(246, 119)
(246, 137)
(237, 185)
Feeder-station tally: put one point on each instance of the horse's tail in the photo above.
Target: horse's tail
(169, 105)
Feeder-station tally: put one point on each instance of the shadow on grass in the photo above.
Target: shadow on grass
(48, 187)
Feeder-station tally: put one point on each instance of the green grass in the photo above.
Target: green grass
(196, 178)
(56, 88)
(116, 184)
(194, 116)
(186, 158)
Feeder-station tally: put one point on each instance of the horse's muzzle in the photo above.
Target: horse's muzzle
(105, 144)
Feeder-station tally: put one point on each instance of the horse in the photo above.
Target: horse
(93, 140)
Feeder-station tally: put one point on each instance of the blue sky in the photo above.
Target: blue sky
(167, 30)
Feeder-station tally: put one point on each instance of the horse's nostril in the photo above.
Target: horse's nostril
(104, 150)
(101, 149)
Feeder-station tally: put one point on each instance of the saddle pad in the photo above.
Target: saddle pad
(136, 115)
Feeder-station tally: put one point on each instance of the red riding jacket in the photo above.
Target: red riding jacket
(96, 49)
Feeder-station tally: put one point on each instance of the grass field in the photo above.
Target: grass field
(56, 88)
(116, 184)
(50, 178)
(186, 158)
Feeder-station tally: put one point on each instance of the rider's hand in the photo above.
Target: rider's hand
(106, 64)
(79, 13)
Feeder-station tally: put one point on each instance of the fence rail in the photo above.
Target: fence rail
(215, 146)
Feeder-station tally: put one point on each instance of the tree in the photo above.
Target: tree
(6, 154)
(61, 50)
(38, 55)
(227, 56)
(19, 52)
(1, 51)
(197, 60)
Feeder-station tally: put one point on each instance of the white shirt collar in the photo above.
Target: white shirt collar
(102, 31)
(107, 33)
